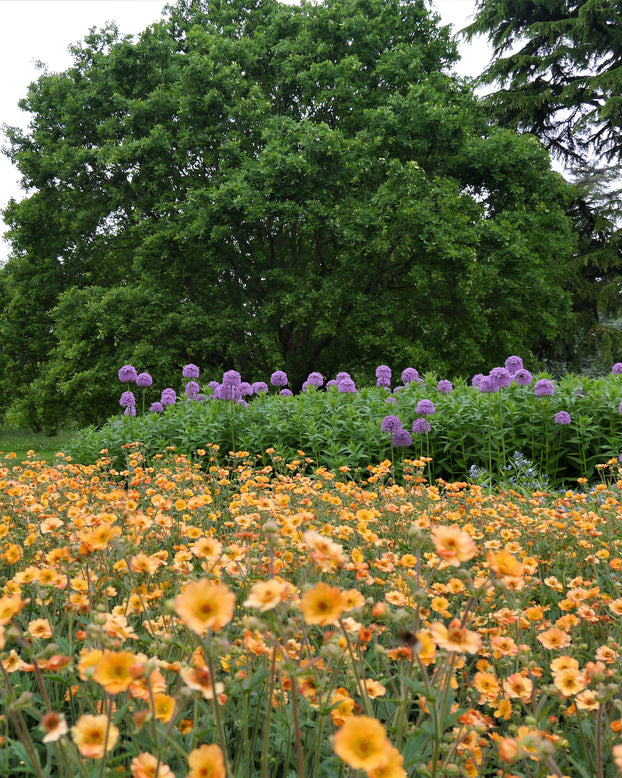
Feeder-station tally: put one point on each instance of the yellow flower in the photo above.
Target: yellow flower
(206, 762)
(94, 736)
(363, 744)
(322, 605)
(393, 768)
(116, 671)
(569, 681)
(204, 605)
(266, 595)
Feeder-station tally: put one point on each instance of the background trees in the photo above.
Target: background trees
(262, 185)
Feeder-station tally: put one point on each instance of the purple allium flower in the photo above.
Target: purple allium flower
(130, 410)
(242, 403)
(127, 400)
(401, 438)
(477, 379)
(425, 408)
(342, 376)
(331, 383)
(191, 390)
(226, 392)
(391, 400)
(169, 396)
(617, 368)
(487, 384)
(522, 377)
(315, 379)
(190, 371)
(144, 380)
(278, 378)
(260, 387)
(544, 387)
(563, 417)
(445, 386)
(501, 377)
(231, 378)
(156, 407)
(580, 391)
(390, 424)
(127, 374)
(383, 371)
(398, 389)
(512, 364)
(245, 389)
(381, 381)
(306, 386)
(346, 386)
(409, 374)
(286, 393)
(620, 408)
(421, 425)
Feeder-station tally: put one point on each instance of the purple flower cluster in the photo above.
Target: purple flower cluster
(421, 426)
(563, 417)
(278, 378)
(400, 437)
(544, 388)
(444, 386)
(383, 376)
(425, 408)
(617, 368)
(409, 374)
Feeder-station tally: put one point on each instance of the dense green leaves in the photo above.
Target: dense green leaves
(264, 185)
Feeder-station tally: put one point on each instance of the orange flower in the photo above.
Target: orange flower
(39, 628)
(199, 679)
(569, 681)
(322, 605)
(94, 736)
(116, 671)
(146, 765)
(10, 607)
(163, 707)
(456, 638)
(206, 762)
(554, 638)
(393, 768)
(372, 688)
(342, 706)
(517, 686)
(54, 726)
(204, 605)
(266, 595)
(504, 564)
(453, 545)
(363, 744)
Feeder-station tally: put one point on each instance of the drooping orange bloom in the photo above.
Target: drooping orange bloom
(453, 545)
(363, 744)
(146, 765)
(199, 679)
(206, 762)
(10, 607)
(116, 671)
(455, 638)
(94, 736)
(204, 605)
(323, 605)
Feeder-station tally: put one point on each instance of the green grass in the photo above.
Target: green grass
(21, 441)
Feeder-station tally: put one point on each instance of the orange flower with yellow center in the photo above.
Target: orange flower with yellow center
(516, 686)
(362, 743)
(204, 605)
(392, 769)
(146, 765)
(453, 545)
(94, 736)
(455, 638)
(569, 681)
(116, 671)
(322, 605)
(163, 707)
(266, 595)
(504, 565)
(342, 706)
(554, 638)
(206, 762)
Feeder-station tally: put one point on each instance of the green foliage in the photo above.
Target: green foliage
(271, 186)
(473, 433)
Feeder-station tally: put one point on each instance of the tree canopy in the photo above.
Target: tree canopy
(559, 63)
(262, 185)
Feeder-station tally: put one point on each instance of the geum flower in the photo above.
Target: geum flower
(362, 743)
(322, 605)
(204, 605)
(455, 638)
(266, 595)
(453, 545)
(117, 670)
(206, 762)
(94, 736)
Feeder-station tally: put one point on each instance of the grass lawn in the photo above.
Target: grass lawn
(21, 441)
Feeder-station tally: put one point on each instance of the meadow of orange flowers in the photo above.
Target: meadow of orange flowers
(249, 617)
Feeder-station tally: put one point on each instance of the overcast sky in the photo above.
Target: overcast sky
(42, 30)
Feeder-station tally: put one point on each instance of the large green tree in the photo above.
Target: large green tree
(559, 67)
(263, 185)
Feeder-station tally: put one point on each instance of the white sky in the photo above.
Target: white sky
(42, 30)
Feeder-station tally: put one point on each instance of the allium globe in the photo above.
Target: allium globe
(156, 407)
(347, 386)
(144, 380)
(488, 385)
(169, 396)
(286, 393)
(382, 381)
(390, 424)
(190, 371)
(278, 378)
(477, 379)
(409, 374)
(191, 390)
(617, 368)
(544, 388)
(522, 377)
(421, 426)
(130, 410)
(401, 438)
(231, 378)
(342, 376)
(127, 400)
(563, 417)
(444, 386)
(332, 383)
(425, 408)
(260, 387)
(244, 389)
(383, 371)
(316, 379)
(127, 374)
(512, 364)
(501, 377)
